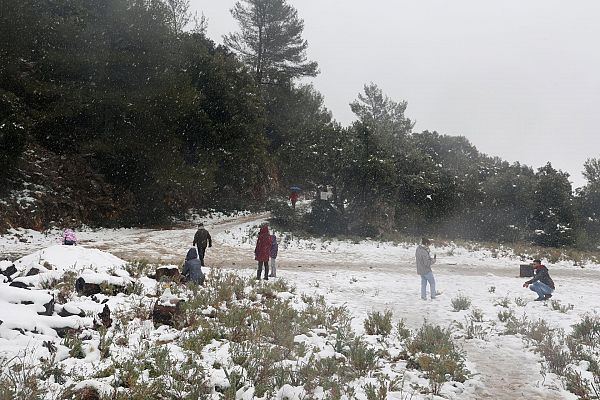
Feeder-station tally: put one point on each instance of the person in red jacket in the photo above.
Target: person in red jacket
(294, 199)
(262, 251)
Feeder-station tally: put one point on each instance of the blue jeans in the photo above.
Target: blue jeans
(428, 277)
(541, 289)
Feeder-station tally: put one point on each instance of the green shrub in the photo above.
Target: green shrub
(588, 330)
(377, 323)
(75, 344)
(434, 352)
(402, 331)
(477, 315)
(460, 302)
(361, 357)
(503, 302)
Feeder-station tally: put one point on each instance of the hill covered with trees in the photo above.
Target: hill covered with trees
(121, 102)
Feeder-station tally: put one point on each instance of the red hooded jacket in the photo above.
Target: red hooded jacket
(262, 252)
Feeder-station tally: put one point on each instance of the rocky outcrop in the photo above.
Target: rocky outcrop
(50, 188)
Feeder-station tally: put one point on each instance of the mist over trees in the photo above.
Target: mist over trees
(174, 121)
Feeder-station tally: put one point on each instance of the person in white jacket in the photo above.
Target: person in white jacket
(424, 263)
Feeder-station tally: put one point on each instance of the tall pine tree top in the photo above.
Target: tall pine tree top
(270, 41)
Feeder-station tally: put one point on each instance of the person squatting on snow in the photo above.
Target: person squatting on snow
(541, 283)
(201, 239)
(192, 268)
(274, 249)
(424, 263)
(262, 251)
(69, 238)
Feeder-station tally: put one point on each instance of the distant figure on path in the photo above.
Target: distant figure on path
(294, 199)
(274, 250)
(424, 263)
(262, 251)
(192, 268)
(202, 239)
(69, 238)
(541, 283)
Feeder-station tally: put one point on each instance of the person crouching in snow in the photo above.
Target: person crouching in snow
(541, 283)
(262, 251)
(69, 238)
(274, 249)
(192, 269)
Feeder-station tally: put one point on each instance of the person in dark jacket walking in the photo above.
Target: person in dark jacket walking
(262, 251)
(192, 269)
(202, 239)
(541, 283)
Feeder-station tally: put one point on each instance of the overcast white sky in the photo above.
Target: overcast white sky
(519, 78)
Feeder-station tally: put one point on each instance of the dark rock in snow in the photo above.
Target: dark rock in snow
(9, 271)
(65, 313)
(49, 308)
(166, 314)
(33, 271)
(66, 331)
(86, 289)
(104, 317)
(19, 285)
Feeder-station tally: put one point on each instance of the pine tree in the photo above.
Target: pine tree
(270, 41)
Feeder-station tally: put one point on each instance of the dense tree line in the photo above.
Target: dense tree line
(176, 121)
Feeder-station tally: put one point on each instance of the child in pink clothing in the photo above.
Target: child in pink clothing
(69, 238)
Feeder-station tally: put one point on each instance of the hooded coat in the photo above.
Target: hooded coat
(192, 268)
(542, 275)
(262, 251)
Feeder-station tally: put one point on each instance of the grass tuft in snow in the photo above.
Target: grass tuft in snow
(558, 306)
(506, 315)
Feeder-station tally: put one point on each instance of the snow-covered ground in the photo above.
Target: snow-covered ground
(365, 276)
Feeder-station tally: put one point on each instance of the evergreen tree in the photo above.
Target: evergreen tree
(553, 219)
(377, 137)
(270, 41)
(588, 205)
(591, 171)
